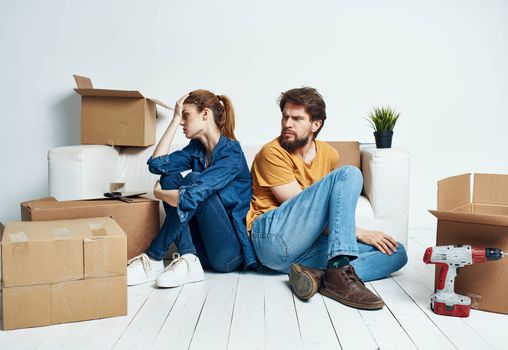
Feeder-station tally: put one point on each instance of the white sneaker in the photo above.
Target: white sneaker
(142, 269)
(183, 269)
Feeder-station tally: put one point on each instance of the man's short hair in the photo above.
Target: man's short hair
(308, 97)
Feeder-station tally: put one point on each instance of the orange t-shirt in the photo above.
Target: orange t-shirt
(274, 166)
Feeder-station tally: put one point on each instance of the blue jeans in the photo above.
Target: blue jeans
(209, 234)
(292, 233)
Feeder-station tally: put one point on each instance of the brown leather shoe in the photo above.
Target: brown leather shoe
(304, 281)
(345, 286)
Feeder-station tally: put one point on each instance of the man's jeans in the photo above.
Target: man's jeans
(209, 233)
(292, 233)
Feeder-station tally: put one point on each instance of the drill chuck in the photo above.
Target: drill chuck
(494, 253)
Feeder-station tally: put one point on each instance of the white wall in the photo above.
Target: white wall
(443, 64)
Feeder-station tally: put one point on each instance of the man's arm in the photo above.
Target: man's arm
(384, 243)
(287, 191)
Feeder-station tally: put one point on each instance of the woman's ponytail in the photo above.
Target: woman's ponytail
(228, 118)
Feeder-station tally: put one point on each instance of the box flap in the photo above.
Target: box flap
(490, 189)
(83, 82)
(489, 209)
(159, 103)
(34, 231)
(453, 192)
(498, 220)
(33, 202)
(50, 206)
(108, 93)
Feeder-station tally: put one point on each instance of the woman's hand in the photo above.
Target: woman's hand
(157, 190)
(169, 196)
(383, 242)
(177, 115)
(164, 144)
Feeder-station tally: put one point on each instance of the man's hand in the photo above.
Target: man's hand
(383, 242)
(169, 196)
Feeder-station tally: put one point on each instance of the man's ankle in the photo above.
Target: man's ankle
(338, 261)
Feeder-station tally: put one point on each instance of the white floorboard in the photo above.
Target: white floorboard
(105, 333)
(248, 310)
(385, 328)
(281, 322)
(349, 326)
(315, 327)
(412, 319)
(181, 323)
(213, 328)
(248, 324)
(144, 327)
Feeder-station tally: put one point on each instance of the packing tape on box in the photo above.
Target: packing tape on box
(61, 233)
(98, 229)
(18, 237)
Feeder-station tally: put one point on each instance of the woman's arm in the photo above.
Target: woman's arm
(169, 196)
(164, 144)
(218, 175)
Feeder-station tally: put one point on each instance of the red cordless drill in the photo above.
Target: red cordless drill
(449, 258)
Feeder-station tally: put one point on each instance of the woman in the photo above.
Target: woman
(205, 210)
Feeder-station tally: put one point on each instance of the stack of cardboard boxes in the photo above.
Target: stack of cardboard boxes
(59, 270)
(63, 271)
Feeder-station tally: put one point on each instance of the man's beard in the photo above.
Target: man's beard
(292, 146)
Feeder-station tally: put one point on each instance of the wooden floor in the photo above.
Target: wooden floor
(258, 311)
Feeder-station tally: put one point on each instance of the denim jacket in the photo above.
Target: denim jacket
(227, 175)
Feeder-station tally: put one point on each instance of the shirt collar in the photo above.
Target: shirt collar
(200, 151)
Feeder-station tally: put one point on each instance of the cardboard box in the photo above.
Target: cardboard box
(64, 250)
(1, 235)
(116, 117)
(139, 218)
(63, 271)
(479, 220)
(45, 304)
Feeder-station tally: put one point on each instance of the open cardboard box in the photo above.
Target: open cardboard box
(116, 117)
(479, 220)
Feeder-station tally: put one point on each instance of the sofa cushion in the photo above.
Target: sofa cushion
(349, 152)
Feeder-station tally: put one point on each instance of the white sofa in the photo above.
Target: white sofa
(86, 171)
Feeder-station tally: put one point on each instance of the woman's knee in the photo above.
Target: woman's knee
(190, 178)
(171, 181)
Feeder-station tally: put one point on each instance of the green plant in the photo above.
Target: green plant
(383, 119)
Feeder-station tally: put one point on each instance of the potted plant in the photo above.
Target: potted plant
(383, 121)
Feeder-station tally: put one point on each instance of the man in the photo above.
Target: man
(302, 213)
